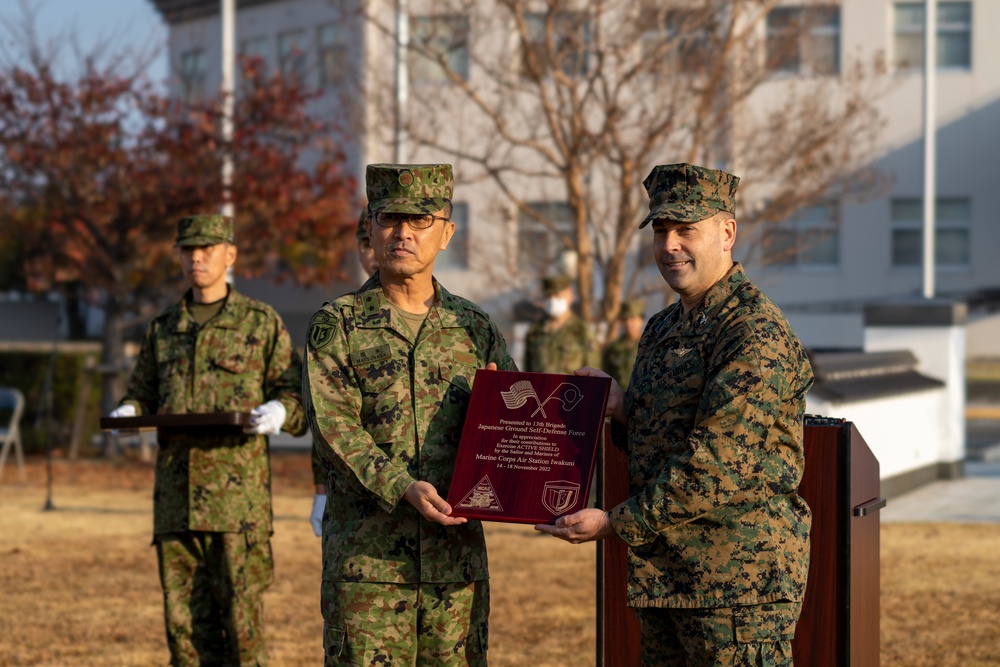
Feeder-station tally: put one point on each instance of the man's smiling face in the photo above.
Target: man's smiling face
(693, 256)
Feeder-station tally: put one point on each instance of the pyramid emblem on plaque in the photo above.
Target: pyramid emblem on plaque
(482, 497)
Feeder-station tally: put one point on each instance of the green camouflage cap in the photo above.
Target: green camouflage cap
(689, 193)
(631, 308)
(408, 188)
(204, 230)
(554, 284)
(362, 233)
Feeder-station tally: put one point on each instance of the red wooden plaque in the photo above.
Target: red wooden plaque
(528, 446)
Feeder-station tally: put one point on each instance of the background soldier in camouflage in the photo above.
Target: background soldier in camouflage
(562, 342)
(366, 257)
(215, 351)
(718, 536)
(389, 371)
(619, 355)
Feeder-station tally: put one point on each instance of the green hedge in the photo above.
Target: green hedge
(26, 371)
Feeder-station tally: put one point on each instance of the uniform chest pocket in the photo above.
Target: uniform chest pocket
(456, 382)
(667, 376)
(172, 374)
(375, 378)
(234, 362)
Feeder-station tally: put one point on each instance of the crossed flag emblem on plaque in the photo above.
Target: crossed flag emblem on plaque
(566, 393)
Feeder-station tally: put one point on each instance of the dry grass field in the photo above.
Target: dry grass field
(78, 585)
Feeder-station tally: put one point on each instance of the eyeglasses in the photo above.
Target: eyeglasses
(391, 219)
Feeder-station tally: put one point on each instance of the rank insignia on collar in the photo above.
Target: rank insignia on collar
(684, 350)
(371, 304)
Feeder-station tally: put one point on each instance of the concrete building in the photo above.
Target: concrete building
(835, 257)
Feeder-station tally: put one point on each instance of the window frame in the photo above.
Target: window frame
(942, 226)
(527, 249)
(579, 67)
(917, 30)
(808, 32)
(673, 29)
(799, 227)
(292, 62)
(194, 79)
(335, 47)
(460, 48)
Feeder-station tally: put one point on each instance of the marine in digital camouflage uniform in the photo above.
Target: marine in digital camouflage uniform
(718, 536)
(619, 355)
(215, 351)
(389, 371)
(562, 342)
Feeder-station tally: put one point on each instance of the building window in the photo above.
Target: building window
(954, 35)
(332, 55)
(677, 40)
(456, 256)
(538, 245)
(292, 54)
(810, 238)
(952, 223)
(439, 45)
(804, 40)
(194, 75)
(557, 41)
(255, 47)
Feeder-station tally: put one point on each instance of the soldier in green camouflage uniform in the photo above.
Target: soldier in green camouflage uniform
(389, 371)
(215, 351)
(366, 258)
(619, 355)
(562, 342)
(718, 536)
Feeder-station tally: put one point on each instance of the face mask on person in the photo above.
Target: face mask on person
(556, 306)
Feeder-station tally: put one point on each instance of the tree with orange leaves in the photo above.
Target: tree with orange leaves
(95, 169)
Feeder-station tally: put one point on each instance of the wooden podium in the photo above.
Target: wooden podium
(839, 625)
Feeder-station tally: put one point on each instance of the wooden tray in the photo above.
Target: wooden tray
(187, 420)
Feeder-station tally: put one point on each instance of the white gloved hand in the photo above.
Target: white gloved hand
(122, 411)
(266, 419)
(316, 518)
(126, 410)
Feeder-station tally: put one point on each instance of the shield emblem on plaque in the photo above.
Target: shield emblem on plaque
(559, 497)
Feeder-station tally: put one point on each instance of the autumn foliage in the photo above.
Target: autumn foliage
(96, 169)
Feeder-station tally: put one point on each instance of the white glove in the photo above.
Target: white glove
(316, 518)
(266, 419)
(122, 411)
(126, 410)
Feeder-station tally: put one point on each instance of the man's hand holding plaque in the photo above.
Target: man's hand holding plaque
(528, 446)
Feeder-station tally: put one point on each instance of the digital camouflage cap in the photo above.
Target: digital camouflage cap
(632, 308)
(408, 188)
(204, 230)
(689, 193)
(362, 232)
(554, 284)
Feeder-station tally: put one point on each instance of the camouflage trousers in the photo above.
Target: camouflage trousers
(751, 636)
(401, 625)
(213, 587)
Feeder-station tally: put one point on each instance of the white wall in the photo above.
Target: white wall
(905, 432)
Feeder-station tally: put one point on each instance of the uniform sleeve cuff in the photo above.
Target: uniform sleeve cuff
(395, 489)
(629, 524)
